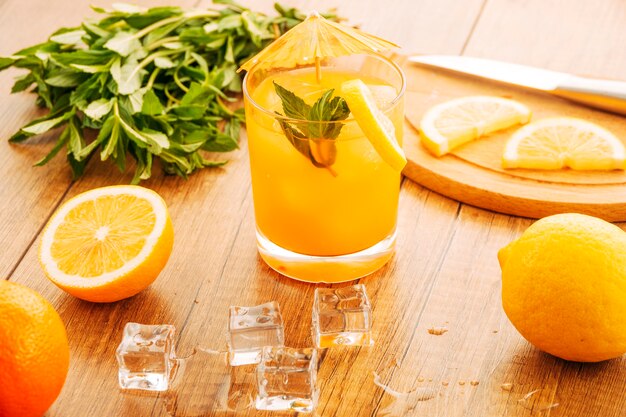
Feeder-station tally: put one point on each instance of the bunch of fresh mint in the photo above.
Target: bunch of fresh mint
(153, 83)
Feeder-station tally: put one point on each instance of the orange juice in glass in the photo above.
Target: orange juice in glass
(325, 198)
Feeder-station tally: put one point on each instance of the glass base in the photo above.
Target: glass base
(326, 269)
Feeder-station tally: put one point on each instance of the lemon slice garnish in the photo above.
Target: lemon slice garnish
(455, 122)
(561, 142)
(375, 125)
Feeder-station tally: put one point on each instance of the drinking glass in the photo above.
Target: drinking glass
(325, 209)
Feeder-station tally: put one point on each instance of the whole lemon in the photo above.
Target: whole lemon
(564, 287)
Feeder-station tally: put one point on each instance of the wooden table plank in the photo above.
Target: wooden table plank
(573, 36)
(27, 195)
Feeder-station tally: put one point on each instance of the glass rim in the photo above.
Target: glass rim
(272, 114)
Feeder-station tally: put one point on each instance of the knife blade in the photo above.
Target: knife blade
(606, 95)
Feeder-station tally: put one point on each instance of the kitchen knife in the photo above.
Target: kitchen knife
(602, 94)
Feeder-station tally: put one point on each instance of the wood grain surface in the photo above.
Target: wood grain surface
(445, 272)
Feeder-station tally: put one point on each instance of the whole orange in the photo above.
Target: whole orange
(34, 353)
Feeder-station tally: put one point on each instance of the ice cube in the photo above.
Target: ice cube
(146, 356)
(383, 95)
(242, 390)
(251, 328)
(342, 316)
(286, 379)
(200, 386)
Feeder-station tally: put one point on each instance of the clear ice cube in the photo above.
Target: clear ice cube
(342, 316)
(146, 356)
(242, 390)
(286, 379)
(200, 386)
(251, 328)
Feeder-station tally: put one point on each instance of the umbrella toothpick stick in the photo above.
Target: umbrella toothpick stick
(318, 70)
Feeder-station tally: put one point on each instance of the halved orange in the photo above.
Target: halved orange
(108, 243)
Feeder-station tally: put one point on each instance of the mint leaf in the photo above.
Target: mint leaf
(99, 108)
(61, 141)
(293, 106)
(70, 37)
(6, 62)
(64, 78)
(328, 109)
(42, 125)
(124, 43)
(22, 83)
(127, 76)
(151, 104)
(296, 138)
(314, 140)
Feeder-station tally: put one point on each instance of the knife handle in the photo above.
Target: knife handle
(601, 94)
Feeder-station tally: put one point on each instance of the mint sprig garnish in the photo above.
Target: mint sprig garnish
(314, 140)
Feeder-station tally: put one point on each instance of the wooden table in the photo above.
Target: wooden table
(445, 272)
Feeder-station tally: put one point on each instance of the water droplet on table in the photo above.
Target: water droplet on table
(437, 330)
(403, 402)
(539, 400)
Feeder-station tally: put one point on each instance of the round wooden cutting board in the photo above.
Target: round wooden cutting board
(473, 173)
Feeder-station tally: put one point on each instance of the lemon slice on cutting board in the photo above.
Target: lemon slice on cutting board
(108, 243)
(561, 142)
(451, 124)
(375, 125)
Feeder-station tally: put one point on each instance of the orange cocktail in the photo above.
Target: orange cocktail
(325, 201)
